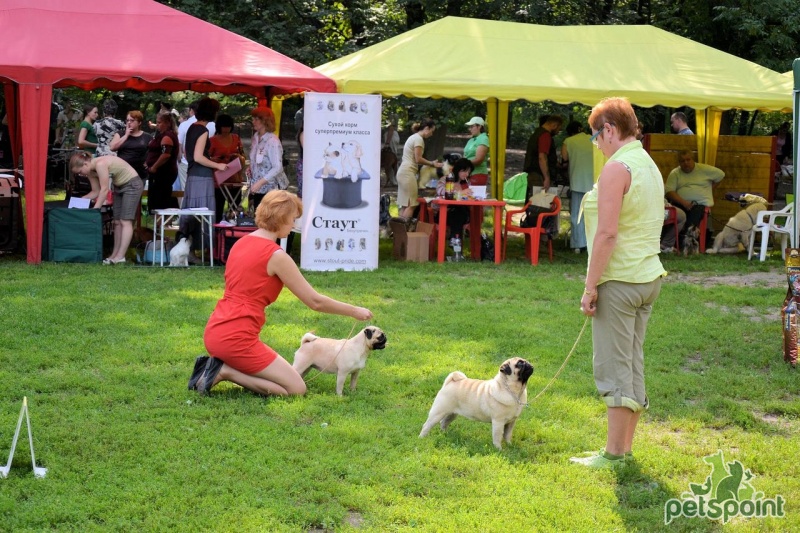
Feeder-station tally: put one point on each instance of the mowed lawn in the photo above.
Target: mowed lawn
(103, 355)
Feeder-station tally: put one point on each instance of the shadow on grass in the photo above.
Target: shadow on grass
(641, 496)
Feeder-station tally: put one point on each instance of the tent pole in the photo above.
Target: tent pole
(796, 147)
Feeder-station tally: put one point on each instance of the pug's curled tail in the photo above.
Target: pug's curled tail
(454, 376)
(308, 337)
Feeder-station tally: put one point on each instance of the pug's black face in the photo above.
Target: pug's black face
(522, 368)
(376, 338)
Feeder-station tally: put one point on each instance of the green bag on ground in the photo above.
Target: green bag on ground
(73, 235)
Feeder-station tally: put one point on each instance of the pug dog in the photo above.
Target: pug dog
(499, 400)
(342, 357)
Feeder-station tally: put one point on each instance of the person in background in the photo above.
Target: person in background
(225, 147)
(183, 164)
(679, 124)
(690, 188)
(407, 185)
(87, 140)
(255, 274)
(200, 173)
(132, 145)
(477, 150)
(457, 215)
(106, 128)
(784, 144)
(163, 107)
(391, 154)
(162, 164)
(111, 170)
(67, 125)
(300, 163)
(541, 160)
(576, 152)
(266, 157)
(624, 214)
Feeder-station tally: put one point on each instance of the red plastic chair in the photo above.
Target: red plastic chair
(671, 219)
(703, 227)
(533, 236)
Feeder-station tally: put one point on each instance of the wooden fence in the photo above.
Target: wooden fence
(746, 161)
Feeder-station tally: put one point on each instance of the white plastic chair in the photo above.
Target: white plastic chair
(781, 222)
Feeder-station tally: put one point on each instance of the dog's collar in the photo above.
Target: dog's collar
(516, 398)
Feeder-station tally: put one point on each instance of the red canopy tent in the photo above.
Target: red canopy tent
(135, 44)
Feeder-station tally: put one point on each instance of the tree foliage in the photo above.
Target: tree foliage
(314, 32)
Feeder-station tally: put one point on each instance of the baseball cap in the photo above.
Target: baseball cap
(476, 120)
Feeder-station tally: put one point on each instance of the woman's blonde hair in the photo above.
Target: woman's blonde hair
(617, 111)
(78, 159)
(265, 115)
(166, 116)
(278, 208)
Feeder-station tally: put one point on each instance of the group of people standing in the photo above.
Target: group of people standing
(476, 151)
(123, 156)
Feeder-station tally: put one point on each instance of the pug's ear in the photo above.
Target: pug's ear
(368, 332)
(506, 369)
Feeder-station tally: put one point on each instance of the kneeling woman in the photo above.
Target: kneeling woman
(256, 271)
(103, 171)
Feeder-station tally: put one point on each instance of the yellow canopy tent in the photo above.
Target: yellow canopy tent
(499, 62)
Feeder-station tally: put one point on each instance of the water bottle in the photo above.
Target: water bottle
(457, 248)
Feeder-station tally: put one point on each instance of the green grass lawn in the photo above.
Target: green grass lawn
(103, 355)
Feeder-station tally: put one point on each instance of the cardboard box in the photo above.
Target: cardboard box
(417, 247)
(413, 245)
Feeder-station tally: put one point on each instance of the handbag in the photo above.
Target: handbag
(150, 252)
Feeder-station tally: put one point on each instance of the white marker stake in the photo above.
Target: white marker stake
(37, 470)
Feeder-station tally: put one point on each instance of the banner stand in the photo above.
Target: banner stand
(38, 471)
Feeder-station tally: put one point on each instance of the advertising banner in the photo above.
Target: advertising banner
(341, 181)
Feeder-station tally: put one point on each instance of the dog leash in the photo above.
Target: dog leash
(563, 365)
(349, 336)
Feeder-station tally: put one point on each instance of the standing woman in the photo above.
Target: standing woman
(407, 174)
(111, 170)
(624, 214)
(162, 164)
(256, 272)
(200, 171)
(87, 140)
(477, 150)
(225, 147)
(266, 157)
(132, 146)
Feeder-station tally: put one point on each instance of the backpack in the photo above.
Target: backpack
(531, 217)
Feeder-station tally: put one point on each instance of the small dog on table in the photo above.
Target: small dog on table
(342, 357)
(499, 400)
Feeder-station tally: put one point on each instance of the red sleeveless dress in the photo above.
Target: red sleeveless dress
(232, 332)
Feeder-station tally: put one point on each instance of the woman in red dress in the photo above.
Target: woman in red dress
(256, 271)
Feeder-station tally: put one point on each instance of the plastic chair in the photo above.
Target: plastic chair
(767, 222)
(671, 219)
(533, 236)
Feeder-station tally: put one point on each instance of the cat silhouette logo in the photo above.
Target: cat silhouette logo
(726, 493)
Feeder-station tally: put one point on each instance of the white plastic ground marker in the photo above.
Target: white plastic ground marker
(38, 471)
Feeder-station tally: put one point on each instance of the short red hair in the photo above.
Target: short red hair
(277, 208)
(265, 115)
